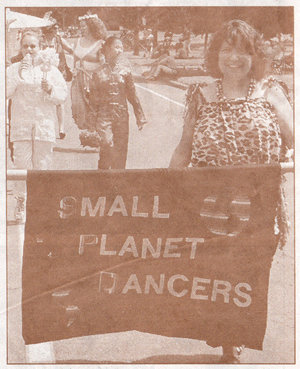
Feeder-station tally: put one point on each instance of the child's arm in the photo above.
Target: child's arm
(135, 102)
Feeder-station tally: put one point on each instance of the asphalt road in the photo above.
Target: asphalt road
(149, 148)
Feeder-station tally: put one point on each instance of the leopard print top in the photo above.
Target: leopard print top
(233, 131)
(237, 132)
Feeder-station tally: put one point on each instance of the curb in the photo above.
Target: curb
(181, 85)
(75, 150)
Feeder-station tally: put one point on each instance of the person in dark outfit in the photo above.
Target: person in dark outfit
(110, 88)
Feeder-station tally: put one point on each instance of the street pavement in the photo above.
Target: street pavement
(152, 147)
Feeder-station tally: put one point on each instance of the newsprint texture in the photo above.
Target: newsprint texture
(148, 183)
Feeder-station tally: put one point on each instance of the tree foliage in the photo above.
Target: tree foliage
(200, 20)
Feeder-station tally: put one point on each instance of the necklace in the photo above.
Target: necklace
(220, 92)
(228, 117)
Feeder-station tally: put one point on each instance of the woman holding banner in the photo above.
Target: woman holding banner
(240, 118)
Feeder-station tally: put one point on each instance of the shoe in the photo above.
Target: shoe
(232, 354)
(20, 209)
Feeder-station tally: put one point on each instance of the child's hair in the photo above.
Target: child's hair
(51, 30)
(32, 33)
(108, 43)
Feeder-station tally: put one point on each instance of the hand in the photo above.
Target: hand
(25, 64)
(141, 124)
(62, 135)
(46, 86)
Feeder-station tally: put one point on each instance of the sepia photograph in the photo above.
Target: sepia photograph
(150, 184)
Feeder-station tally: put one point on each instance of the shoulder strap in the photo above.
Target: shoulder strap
(270, 82)
(96, 45)
(77, 43)
(92, 48)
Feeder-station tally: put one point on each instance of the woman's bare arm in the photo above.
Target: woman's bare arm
(182, 154)
(66, 46)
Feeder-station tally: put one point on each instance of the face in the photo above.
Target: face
(234, 60)
(30, 45)
(114, 51)
(84, 28)
(51, 43)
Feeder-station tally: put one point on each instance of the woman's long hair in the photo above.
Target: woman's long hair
(96, 28)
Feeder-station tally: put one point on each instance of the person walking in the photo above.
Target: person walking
(240, 118)
(110, 88)
(86, 52)
(35, 87)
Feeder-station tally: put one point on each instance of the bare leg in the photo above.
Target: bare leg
(162, 69)
(60, 111)
(150, 72)
(231, 354)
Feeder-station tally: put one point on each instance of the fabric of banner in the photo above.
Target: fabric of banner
(181, 253)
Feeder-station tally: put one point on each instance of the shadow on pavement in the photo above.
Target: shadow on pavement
(162, 80)
(180, 359)
(160, 359)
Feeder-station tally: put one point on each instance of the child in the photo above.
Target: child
(35, 87)
(110, 88)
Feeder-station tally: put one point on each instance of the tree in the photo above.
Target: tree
(199, 19)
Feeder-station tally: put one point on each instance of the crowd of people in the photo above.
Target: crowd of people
(242, 117)
(101, 85)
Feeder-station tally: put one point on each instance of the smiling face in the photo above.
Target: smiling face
(30, 45)
(234, 60)
(84, 29)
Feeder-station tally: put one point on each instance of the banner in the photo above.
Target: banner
(181, 253)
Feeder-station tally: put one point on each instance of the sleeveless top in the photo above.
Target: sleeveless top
(81, 52)
(236, 132)
(233, 131)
